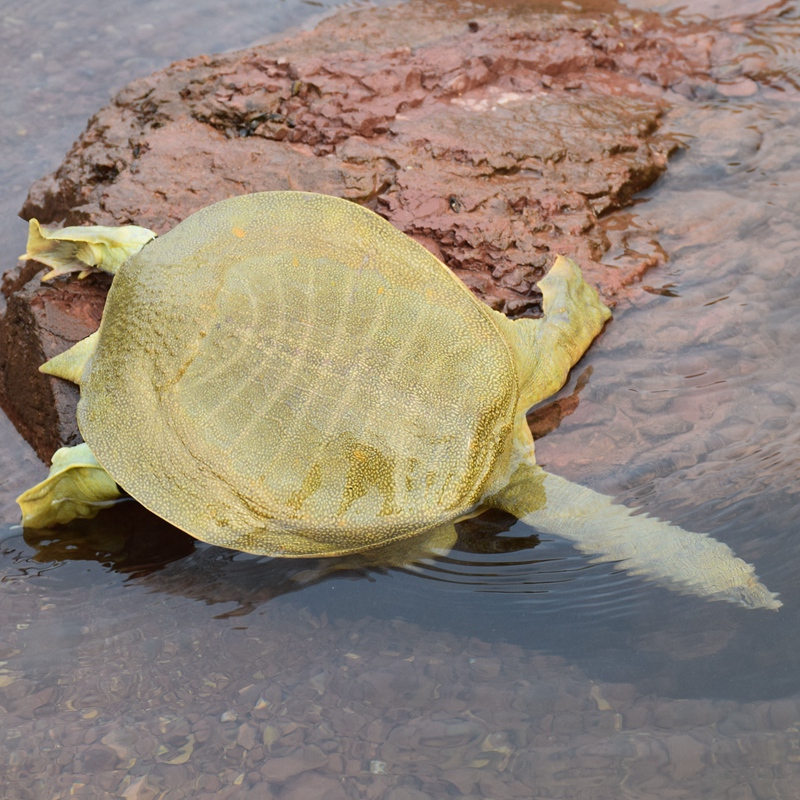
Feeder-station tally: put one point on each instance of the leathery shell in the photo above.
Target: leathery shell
(286, 373)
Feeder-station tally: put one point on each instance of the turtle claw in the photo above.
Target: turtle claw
(69, 250)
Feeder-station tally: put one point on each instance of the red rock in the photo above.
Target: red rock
(455, 141)
(496, 141)
(41, 321)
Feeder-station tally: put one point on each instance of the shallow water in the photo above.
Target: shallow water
(137, 663)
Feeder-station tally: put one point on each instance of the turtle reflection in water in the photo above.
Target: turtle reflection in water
(287, 374)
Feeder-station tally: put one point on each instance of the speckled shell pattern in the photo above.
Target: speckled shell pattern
(286, 373)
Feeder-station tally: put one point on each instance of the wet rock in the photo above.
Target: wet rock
(313, 785)
(304, 759)
(496, 141)
(407, 793)
(741, 792)
(685, 714)
(39, 322)
(464, 779)
(486, 668)
(246, 737)
(171, 776)
(346, 722)
(763, 749)
(26, 707)
(783, 714)
(99, 759)
(212, 784)
(377, 731)
(448, 733)
(140, 789)
(686, 755)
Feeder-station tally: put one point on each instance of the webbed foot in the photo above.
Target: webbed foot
(83, 249)
(546, 349)
(77, 486)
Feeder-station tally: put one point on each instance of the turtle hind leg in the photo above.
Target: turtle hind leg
(686, 562)
(77, 487)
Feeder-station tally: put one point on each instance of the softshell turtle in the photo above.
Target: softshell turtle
(285, 373)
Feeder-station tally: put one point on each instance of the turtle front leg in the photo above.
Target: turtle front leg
(546, 349)
(77, 487)
(686, 562)
(83, 249)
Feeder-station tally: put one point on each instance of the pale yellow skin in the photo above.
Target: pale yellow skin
(287, 374)
(74, 249)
